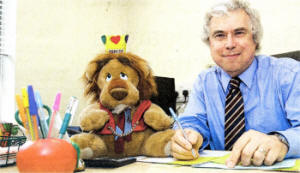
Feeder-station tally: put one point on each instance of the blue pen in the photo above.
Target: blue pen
(71, 109)
(33, 112)
(42, 115)
(179, 125)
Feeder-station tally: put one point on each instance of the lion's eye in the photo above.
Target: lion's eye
(123, 76)
(108, 77)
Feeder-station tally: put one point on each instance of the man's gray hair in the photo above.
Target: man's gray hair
(223, 9)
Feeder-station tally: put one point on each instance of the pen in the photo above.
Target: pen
(41, 113)
(71, 109)
(55, 110)
(21, 109)
(22, 113)
(179, 125)
(33, 111)
(26, 106)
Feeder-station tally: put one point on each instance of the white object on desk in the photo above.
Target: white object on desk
(215, 153)
(279, 165)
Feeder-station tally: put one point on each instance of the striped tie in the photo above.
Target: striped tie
(234, 114)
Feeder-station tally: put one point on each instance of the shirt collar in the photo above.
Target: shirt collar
(246, 77)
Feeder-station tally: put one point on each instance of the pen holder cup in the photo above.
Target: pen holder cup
(47, 155)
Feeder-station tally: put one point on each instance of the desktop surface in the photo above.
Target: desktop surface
(140, 167)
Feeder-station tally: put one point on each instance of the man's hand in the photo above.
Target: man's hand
(182, 148)
(256, 148)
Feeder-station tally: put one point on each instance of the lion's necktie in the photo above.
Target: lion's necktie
(234, 114)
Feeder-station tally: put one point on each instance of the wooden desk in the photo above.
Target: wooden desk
(139, 167)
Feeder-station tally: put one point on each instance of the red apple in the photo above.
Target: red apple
(47, 155)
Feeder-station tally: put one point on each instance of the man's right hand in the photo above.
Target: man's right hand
(182, 148)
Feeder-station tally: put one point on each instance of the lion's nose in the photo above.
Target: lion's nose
(118, 93)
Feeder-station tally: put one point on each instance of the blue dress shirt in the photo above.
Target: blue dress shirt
(271, 94)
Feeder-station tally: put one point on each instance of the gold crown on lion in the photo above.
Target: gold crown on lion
(115, 43)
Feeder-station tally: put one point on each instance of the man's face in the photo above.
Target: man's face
(231, 42)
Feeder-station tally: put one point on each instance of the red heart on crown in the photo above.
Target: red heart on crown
(115, 39)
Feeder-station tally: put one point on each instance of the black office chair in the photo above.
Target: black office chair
(293, 54)
(166, 93)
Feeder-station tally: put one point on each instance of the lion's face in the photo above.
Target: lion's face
(118, 84)
(119, 78)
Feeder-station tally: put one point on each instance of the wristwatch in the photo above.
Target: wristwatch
(282, 139)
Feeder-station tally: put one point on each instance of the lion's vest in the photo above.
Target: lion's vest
(137, 124)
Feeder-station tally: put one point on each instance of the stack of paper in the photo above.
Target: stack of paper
(216, 159)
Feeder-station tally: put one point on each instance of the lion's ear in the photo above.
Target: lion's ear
(91, 88)
(90, 71)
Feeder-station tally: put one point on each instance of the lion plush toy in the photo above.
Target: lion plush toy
(121, 120)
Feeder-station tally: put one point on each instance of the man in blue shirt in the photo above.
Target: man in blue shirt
(270, 89)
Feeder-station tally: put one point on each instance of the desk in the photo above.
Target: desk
(139, 167)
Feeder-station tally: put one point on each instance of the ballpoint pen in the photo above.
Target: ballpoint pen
(22, 113)
(179, 125)
(55, 111)
(26, 107)
(43, 121)
(33, 112)
(71, 109)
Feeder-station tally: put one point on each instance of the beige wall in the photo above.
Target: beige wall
(57, 38)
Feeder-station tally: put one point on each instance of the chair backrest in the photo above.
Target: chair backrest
(294, 54)
(166, 93)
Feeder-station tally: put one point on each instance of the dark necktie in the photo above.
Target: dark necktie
(234, 114)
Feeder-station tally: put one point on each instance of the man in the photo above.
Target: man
(250, 101)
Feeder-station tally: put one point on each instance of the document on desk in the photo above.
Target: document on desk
(216, 159)
(284, 164)
(205, 156)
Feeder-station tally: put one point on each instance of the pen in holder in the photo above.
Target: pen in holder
(57, 122)
(70, 111)
(55, 116)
